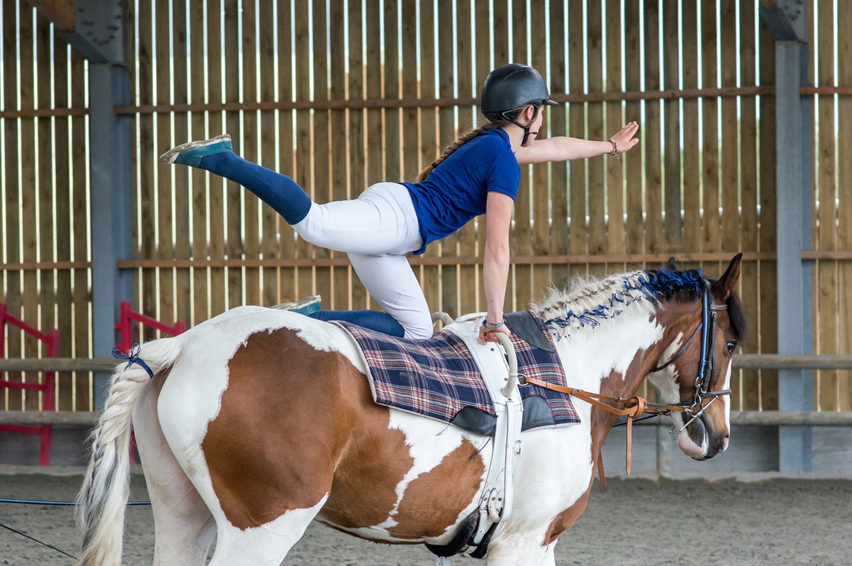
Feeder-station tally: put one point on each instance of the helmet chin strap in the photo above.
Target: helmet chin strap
(526, 128)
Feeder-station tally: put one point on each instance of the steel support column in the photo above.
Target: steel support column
(111, 206)
(786, 19)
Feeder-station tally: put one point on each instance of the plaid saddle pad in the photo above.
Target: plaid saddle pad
(438, 377)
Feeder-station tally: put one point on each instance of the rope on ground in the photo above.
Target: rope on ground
(36, 540)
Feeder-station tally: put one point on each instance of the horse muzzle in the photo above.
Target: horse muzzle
(700, 442)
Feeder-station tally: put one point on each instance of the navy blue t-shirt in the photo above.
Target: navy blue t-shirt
(456, 190)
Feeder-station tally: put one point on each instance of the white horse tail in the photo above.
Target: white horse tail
(106, 487)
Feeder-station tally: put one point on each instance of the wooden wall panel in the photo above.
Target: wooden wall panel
(701, 179)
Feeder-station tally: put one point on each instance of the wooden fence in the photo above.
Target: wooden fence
(343, 94)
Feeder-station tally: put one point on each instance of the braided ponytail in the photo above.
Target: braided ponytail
(457, 144)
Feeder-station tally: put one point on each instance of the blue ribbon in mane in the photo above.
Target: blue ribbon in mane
(133, 358)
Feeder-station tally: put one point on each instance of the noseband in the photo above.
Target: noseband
(636, 406)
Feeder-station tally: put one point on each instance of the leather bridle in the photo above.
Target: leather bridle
(636, 406)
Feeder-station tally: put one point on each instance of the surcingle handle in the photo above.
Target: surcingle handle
(513, 364)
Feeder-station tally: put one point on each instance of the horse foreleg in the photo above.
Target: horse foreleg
(266, 545)
(183, 525)
(550, 555)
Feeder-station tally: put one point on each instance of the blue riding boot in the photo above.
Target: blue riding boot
(374, 320)
(306, 306)
(279, 191)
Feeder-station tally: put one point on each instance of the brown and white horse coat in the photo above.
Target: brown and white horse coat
(259, 421)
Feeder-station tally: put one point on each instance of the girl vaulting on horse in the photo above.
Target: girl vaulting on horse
(478, 174)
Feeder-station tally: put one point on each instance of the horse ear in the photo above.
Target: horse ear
(671, 265)
(727, 282)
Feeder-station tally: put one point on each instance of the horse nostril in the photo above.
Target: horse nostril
(724, 444)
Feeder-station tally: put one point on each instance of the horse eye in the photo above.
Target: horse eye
(731, 347)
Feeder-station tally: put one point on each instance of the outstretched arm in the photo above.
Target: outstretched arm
(565, 149)
(495, 270)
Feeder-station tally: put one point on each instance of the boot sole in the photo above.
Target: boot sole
(171, 155)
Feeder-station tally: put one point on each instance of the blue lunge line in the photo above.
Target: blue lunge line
(133, 358)
(57, 503)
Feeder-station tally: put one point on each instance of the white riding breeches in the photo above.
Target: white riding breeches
(376, 230)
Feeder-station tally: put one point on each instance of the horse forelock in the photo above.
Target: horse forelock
(591, 301)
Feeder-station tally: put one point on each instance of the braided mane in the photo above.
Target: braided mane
(592, 301)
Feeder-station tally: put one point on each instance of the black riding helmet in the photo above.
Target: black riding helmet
(510, 87)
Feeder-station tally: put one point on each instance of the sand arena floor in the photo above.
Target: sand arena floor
(769, 522)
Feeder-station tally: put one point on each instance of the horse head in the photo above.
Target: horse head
(694, 369)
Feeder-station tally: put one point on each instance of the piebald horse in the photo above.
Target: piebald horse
(259, 421)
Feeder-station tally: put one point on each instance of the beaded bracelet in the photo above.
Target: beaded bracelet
(614, 149)
(492, 327)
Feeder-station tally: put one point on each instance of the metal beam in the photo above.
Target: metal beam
(786, 20)
(98, 31)
(112, 208)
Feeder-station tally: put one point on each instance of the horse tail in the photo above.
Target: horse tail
(106, 487)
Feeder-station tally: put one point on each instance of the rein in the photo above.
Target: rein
(634, 407)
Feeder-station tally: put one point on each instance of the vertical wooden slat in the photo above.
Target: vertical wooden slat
(521, 240)
(500, 31)
(710, 129)
(393, 166)
(64, 237)
(249, 149)
(304, 275)
(357, 165)
(200, 219)
(12, 235)
(218, 275)
(844, 188)
(825, 397)
(146, 231)
(467, 120)
(233, 192)
(635, 233)
(410, 137)
(446, 49)
(410, 130)
(339, 157)
(181, 198)
(268, 217)
(651, 143)
(83, 399)
(730, 153)
(541, 172)
(614, 122)
(691, 152)
(374, 76)
(482, 65)
(595, 112)
(768, 329)
(673, 224)
(286, 165)
(322, 182)
(374, 73)
(167, 173)
(430, 278)
(558, 127)
(29, 203)
(750, 285)
(44, 200)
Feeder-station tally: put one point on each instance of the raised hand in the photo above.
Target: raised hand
(624, 139)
